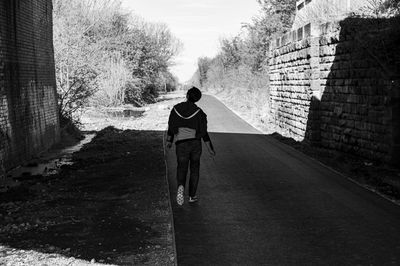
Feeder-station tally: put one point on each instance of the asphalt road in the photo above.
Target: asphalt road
(263, 203)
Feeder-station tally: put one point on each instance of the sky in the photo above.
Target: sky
(199, 24)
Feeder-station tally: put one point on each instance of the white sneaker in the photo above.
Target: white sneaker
(179, 195)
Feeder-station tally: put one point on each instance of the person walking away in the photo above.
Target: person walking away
(187, 125)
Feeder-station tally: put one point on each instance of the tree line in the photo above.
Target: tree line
(241, 59)
(107, 57)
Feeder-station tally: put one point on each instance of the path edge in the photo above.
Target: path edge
(169, 200)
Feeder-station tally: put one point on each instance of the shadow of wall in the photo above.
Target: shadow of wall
(337, 85)
(357, 112)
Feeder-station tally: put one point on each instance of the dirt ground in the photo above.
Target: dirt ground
(111, 206)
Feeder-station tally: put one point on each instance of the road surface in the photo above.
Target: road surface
(263, 203)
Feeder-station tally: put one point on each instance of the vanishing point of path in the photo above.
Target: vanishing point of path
(263, 203)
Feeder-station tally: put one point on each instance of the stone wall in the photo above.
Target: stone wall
(292, 63)
(337, 85)
(29, 121)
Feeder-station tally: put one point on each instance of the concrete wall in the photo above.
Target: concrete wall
(338, 86)
(29, 121)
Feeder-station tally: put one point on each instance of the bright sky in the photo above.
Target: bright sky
(199, 24)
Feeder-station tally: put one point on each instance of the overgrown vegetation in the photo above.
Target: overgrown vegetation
(106, 57)
(381, 8)
(244, 55)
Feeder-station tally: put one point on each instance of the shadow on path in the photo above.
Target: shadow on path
(111, 205)
(262, 202)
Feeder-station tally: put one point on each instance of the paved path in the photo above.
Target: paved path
(262, 202)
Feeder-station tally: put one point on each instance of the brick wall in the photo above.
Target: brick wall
(29, 122)
(338, 86)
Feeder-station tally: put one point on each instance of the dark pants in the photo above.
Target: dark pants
(188, 153)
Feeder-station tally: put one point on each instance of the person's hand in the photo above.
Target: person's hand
(210, 148)
(169, 145)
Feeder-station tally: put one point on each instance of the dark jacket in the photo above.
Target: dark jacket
(189, 115)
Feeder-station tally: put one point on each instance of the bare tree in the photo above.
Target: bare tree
(103, 54)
